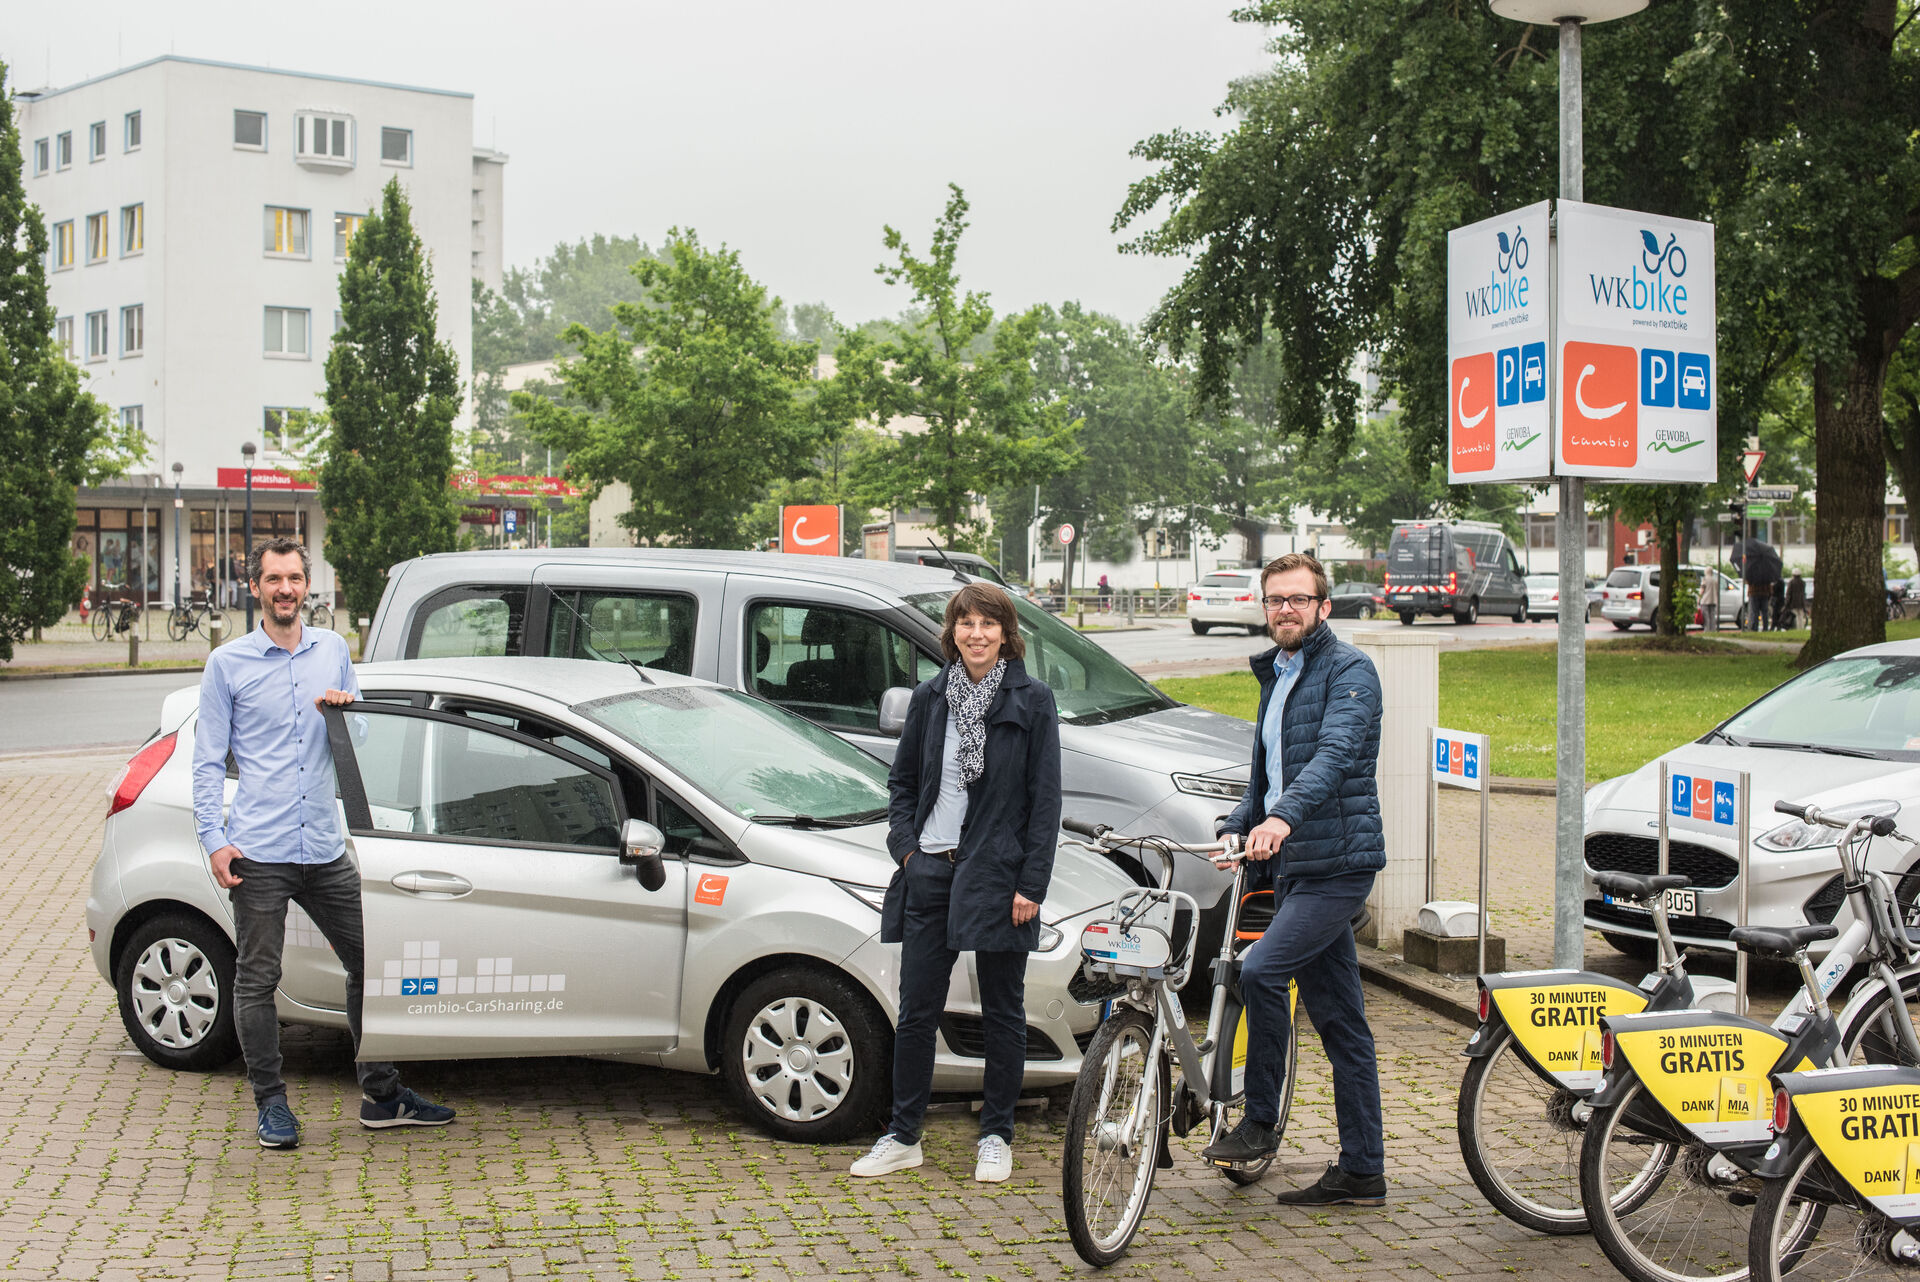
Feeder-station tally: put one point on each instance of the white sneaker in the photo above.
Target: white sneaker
(996, 1161)
(887, 1156)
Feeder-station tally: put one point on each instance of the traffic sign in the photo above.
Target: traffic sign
(1499, 413)
(1771, 493)
(810, 529)
(1066, 534)
(1750, 463)
(512, 519)
(1759, 511)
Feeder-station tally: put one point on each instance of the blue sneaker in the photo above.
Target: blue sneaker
(278, 1129)
(404, 1109)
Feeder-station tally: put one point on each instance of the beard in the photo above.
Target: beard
(283, 612)
(1291, 636)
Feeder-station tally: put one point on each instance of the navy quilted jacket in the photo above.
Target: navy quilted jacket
(1330, 741)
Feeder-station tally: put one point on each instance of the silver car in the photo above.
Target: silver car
(1227, 599)
(1631, 594)
(567, 858)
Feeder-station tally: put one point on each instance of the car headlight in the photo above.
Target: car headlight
(1796, 835)
(1049, 939)
(1211, 786)
(874, 897)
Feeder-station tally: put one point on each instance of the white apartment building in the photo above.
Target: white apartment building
(198, 217)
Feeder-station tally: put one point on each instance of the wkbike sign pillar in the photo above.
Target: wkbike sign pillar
(1499, 420)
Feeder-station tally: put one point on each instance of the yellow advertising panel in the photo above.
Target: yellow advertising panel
(1871, 1136)
(1711, 1076)
(1557, 1022)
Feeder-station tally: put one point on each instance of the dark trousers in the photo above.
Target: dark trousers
(926, 965)
(1310, 940)
(330, 894)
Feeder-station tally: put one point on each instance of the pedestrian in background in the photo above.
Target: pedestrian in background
(1797, 599)
(1710, 600)
(973, 813)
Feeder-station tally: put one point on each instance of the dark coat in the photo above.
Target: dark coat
(1330, 742)
(1013, 812)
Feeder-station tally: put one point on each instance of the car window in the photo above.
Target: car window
(1227, 581)
(1416, 549)
(467, 621)
(432, 778)
(1869, 704)
(1513, 563)
(829, 664)
(1624, 577)
(652, 629)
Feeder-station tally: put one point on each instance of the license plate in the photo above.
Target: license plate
(1685, 902)
(1219, 600)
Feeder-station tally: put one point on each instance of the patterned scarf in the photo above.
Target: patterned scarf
(967, 706)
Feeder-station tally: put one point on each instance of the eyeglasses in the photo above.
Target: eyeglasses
(1300, 603)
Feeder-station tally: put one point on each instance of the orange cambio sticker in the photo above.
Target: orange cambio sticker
(1600, 405)
(711, 889)
(1471, 412)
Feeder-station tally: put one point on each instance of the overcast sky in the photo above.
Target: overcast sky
(792, 132)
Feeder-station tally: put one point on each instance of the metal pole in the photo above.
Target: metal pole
(246, 542)
(146, 554)
(1570, 749)
(1433, 832)
(1486, 773)
(179, 598)
(1740, 956)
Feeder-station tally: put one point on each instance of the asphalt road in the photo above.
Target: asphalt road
(62, 713)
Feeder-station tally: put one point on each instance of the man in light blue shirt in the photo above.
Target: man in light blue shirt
(281, 841)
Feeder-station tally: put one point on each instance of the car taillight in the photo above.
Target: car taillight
(1635, 595)
(1555, 598)
(1453, 581)
(1193, 596)
(1386, 579)
(1244, 596)
(140, 771)
(1606, 1049)
(1782, 1110)
(1486, 1003)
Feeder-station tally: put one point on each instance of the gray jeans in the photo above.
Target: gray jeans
(330, 894)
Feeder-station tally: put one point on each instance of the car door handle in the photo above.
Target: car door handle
(442, 885)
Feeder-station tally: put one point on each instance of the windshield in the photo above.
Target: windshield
(1227, 581)
(1624, 578)
(750, 756)
(1869, 705)
(1089, 685)
(1543, 580)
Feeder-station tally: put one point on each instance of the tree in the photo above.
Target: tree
(393, 391)
(969, 420)
(1903, 430)
(703, 418)
(53, 436)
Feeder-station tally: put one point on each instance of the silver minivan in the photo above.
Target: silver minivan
(827, 637)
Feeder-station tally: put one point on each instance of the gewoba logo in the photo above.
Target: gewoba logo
(1503, 292)
(1658, 290)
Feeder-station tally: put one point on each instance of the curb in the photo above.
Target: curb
(1524, 787)
(1457, 1000)
(96, 672)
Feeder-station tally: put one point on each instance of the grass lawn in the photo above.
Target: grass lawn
(1897, 630)
(1640, 702)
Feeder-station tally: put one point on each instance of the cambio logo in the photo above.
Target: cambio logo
(1658, 290)
(1503, 293)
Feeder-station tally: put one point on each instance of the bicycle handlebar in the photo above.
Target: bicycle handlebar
(1082, 828)
(1795, 809)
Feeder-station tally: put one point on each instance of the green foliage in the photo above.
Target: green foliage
(965, 417)
(53, 436)
(704, 418)
(393, 391)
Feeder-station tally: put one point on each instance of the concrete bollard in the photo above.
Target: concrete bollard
(1409, 666)
(133, 649)
(216, 631)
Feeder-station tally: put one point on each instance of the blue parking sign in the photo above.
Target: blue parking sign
(1722, 802)
(1656, 377)
(1441, 751)
(1506, 376)
(1696, 381)
(1533, 372)
(1681, 800)
(1473, 761)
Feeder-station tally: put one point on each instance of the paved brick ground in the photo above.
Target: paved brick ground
(111, 1168)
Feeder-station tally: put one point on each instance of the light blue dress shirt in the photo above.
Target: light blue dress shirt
(1286, 668)
(257, 701)
(942, 830)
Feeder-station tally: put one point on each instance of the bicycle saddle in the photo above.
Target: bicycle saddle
(1784, 943)
(1634, 886)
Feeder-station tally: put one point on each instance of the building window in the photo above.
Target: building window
(134, 417)
(281, 428)
(133, 330)
(396, 146)
(62, 247)
(339, 321)
(97, 140)
(133, 229)
(96, 238)
(328, 139)
(344, 227)
(63, 151)
(96, 336)
(287, 232)
(287, 332)
(42, 156)
(133, 131)
(250, 130)
(63, 336)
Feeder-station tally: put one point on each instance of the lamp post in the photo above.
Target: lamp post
(1570, 750)
(246, 540)
(179, 596)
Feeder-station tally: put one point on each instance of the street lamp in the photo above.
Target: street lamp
(246, 540)
(179, 597)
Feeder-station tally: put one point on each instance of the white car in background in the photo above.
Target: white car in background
(1227, 599)
(568, 857)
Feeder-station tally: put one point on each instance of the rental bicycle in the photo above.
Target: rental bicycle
(1126, 1102)
(1680, 1124)
(114, 616)
(1535, 1060)
(195, 616)
(316, 613)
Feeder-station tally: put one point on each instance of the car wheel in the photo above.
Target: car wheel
(809, 1055)
(175, 984)
(1254, 630)
(1406, 618)
(1470, 615)
(1632, 946)
(1622, 626)
(1201, 629)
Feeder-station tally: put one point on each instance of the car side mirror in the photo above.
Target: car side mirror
(893, 710)
(640, 847)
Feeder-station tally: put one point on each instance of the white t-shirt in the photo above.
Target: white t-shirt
(942, 830)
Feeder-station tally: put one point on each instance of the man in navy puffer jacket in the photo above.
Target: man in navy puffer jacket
(1311, 820)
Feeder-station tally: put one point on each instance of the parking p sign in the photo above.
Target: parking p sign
(1701, 799)
(1460, 759)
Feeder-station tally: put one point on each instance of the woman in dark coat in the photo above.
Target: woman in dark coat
(974, 813)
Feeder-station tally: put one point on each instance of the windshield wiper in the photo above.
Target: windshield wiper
(808, 821)
(1720, 734)
(1827, 748)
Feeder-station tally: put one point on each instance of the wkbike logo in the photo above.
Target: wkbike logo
(1504, 292)
(1657, 290)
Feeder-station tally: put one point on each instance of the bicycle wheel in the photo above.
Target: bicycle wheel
(321, 618)
(1810, 1223)
(102, 621)
(179, 623)
(1114, 1129)
(1871, 1035)
(1520, 1137)
(1228, 1087)
(1662, 1211)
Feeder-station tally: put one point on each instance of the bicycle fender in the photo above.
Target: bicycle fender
(1554, 1016)
(1866, 1122)
(1707, 1070)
